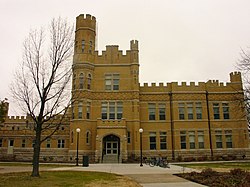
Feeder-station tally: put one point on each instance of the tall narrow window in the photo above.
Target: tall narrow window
(116, 80)
(163, 140)
(151, 111)
(190, 110)
(218, 137)
(181, 111)
(198, 110)
(108, 82)
(183, 140)
(1, 142)
(216, 108)
(104, 110)
(162, 112)
(119, 110)
(89, 81)
(81, 81)
(225, 108)
(191, 139)
(74, 81)
(60, 143)
(72, 137)
(72, 110)
(90, 46)
(87, 137)
(48, 143)
(152, 140)
(112, 110)
(83, 45)
(23, 143)
(33, 143)
(88, 110)
(229, 142)
(128, 137)
(201, 139)
(80, 110)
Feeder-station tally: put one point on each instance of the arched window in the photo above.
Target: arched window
(81, 81)
(72, 137)
(89, 81)
(88, 137)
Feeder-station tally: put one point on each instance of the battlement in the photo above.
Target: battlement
(213, 85)
(83, 21)
(133, 45)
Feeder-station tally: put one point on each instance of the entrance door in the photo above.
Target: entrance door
(111, 148)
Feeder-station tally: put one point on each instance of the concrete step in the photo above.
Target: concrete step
(111, 159)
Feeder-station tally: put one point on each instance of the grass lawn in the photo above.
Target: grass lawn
(65, 179)
(218, 165)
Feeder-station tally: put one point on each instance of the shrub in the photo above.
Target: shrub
(179, 158)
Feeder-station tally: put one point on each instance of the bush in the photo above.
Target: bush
(179, 158)
(189, 159)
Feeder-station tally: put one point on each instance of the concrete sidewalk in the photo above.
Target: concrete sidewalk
(147, 176)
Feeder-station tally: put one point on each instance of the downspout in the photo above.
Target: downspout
(172, 125)
(209, 127)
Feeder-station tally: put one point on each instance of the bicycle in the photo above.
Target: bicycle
(161, 162)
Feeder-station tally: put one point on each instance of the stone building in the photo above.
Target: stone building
(110, 106)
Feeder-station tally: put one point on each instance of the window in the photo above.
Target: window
(191, 139)
(87, 137)
(198, 111)
(60, 143)
(48, 143)
(1, 142)
(216, 109)
(229, 142)
(225, 109)
(104, 110)
(23, 143)
(112, 81)
(89, 81)
(81, 81)
(88, 110)
(151, 111)
(163, 140)
(73, 113)
(128, 137)
(33, 143)
(183, 139)
(152, 140)
(218, 136)
(162, 111)
(201, 139)
(80, 110)
(181, 111)
(90, 46)
(119, 110)
(190, 110)
(112, 110)
(83, 45)
(72, 137)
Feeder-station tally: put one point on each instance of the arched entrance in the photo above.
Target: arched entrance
(111, 149)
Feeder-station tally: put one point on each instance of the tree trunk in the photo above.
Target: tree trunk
(36, 154)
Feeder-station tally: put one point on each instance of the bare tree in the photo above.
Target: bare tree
(41, 84)
(243, 65)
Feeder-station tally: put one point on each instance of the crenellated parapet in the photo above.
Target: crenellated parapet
(211, 85)
(86, 21)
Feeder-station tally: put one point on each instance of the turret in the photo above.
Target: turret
(235, 77)
(85, 34)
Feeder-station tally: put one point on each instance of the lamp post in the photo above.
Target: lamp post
(77, 144)
(141, 131)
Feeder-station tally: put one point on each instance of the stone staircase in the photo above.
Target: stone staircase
(111, 159)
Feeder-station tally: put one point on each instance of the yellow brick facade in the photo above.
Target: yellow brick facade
(109, 106)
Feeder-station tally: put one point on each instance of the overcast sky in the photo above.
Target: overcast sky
(179, 40)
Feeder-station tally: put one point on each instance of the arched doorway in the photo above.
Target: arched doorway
(111, 149)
